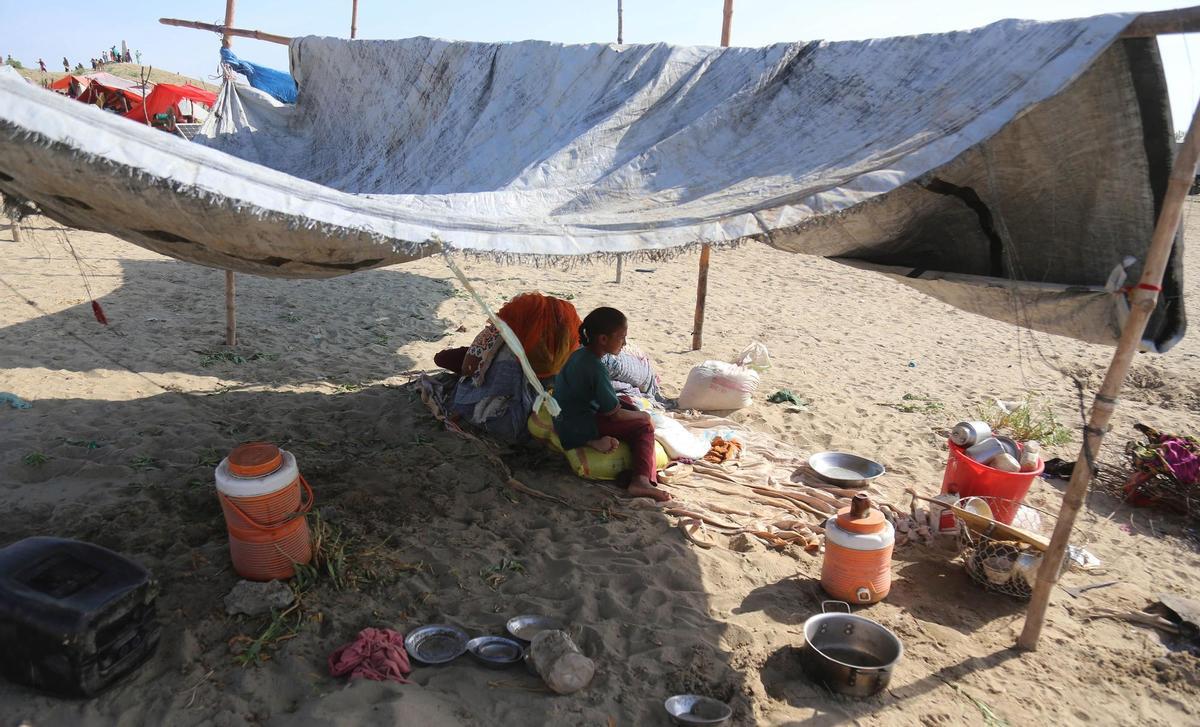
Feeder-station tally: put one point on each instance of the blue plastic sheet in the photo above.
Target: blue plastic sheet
(279, 84)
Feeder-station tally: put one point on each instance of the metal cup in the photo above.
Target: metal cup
(966, 434)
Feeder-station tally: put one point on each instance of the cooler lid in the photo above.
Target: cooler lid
(255, 459)
(860, 517)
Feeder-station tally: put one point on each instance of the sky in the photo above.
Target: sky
(79, 30)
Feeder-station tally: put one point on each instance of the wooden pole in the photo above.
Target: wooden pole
(16, 230)
(726, 23)
(230, 303)
(706, 249)
(1143, 300)
(1164, 22)
(226, 31)
(230, 311)
(353, 19)
(620, 40)
(226, 39)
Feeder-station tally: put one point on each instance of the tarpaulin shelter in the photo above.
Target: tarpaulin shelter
(66, 83)
(1008, 169)
(88, 87)
(178, 100)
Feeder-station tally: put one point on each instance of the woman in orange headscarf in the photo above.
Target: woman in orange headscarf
(546, 326)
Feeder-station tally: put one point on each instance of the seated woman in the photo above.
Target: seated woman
(492, 393)
(545, 325)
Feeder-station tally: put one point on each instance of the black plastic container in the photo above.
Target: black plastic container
(74, 617)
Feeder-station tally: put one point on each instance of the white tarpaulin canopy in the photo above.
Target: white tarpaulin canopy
(1007, 169)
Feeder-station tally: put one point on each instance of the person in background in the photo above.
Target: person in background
(138, 55)
(66, 65)
(42, 65)
(592, 415)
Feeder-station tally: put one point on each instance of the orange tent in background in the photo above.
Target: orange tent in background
(87, 87)
(64, 84)
(176, 99)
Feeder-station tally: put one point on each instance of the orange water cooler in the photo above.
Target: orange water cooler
(858, 553)
(265, 499)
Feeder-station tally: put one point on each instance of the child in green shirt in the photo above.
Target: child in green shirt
(592, 414)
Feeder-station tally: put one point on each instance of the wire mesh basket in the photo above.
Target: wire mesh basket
(1000, 565)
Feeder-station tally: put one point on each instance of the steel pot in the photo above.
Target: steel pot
(849, 654)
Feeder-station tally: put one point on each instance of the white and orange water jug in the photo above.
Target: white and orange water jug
(858, 553)
(265, 499)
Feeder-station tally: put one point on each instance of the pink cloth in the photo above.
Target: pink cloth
(376, 654)
(1180, 460)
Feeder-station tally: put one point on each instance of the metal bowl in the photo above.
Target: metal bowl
(530, 625)
(436, 643)
(496, 651)
(843, 468)
(693, 709)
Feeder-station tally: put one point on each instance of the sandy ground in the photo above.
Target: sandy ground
(428, 525)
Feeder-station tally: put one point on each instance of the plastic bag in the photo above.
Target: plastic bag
(676, 439)
(755, 356)
(718, 386)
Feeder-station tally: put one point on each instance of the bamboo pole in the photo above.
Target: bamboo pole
(726, 23)
(230, 311)
(226, 40)
(620, 41)
(1143, 300)
(1164, 22)
(226, 31)
(353, 19)
(230, 302)
(706, 249)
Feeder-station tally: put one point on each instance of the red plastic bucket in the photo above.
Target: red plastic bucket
(969, 478)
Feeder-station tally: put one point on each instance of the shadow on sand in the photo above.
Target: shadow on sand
(430, 534)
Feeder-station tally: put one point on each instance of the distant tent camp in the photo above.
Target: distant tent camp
(183, 103)
(115, 93)
(1010, 170)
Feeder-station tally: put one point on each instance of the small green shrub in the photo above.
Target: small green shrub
(1032, 420)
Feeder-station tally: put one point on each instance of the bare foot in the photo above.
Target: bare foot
(604, 445)
(648, 490)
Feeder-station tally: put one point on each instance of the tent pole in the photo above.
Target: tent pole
(230, 311)
(353, 18)
(226, 31)
(230, 305)
(726, 23)
(227, 38)
(620, 40)
(1164, 22)
(706, 249)
(1143, 300)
